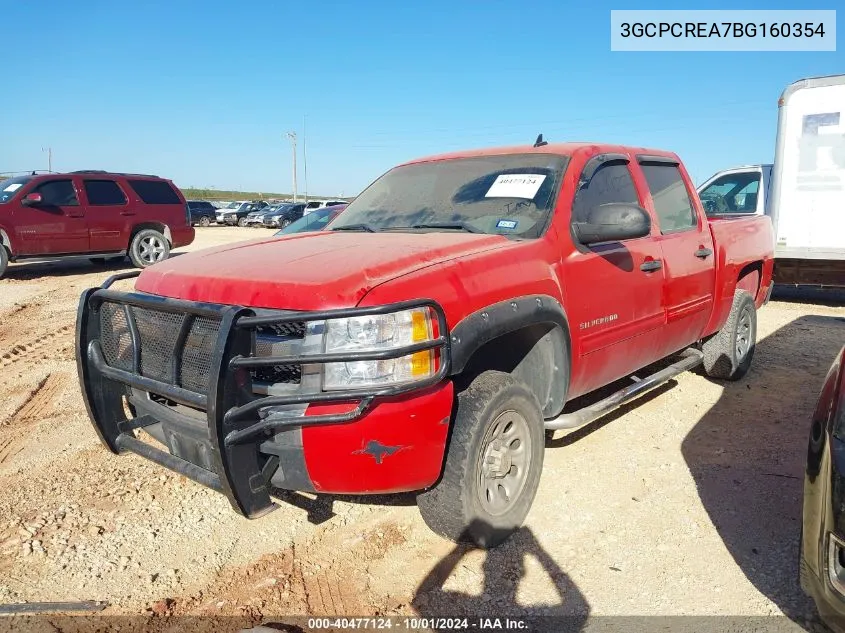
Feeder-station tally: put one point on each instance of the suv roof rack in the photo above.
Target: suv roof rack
(113, 173)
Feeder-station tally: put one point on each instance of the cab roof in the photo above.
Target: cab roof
(561, 149)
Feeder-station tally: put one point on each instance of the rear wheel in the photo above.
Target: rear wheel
(728, 354)
(148, 247)
(4, 260)
(205, 221)
(493, 463)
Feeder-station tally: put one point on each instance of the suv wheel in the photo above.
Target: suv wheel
(728, 354)
(493, 463)
(241, 221)
(4, 260)
(283, 223)
(205, 221)
(148, 247)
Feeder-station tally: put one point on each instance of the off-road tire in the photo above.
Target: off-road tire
(453, 507)
(4, 260)
(724, 357)
(241, 222)
(205, 221)
(137, 251)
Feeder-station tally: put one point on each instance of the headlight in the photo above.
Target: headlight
(378, 333)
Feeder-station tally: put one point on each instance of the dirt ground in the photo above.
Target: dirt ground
(686, 504)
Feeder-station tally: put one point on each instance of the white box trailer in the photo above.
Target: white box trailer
(803, 191)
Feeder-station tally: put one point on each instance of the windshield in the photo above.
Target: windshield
(505, 195)
(315, 221)
(232, 205)
(10, 186)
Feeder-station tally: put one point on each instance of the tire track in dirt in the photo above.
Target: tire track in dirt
(22, 350)
(326, 573)
(41, 403)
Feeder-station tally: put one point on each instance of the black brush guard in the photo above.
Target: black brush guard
(235, 429)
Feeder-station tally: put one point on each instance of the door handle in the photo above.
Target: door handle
(703, 253)
(651, 265)
(127, 213)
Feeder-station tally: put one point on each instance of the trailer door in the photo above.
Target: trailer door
(809, 179)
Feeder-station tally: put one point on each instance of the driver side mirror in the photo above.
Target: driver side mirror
(32, 200)
(613, 222)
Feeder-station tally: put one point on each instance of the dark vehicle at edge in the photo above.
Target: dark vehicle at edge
(822, 564)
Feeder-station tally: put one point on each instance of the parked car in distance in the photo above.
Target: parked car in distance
(93, 214)
(450, 313)
(313, 205)
(283, 215)
(315, 221)
(230, 208)
(237, 212)
(202, 212)
(822, 561)
(256, 218)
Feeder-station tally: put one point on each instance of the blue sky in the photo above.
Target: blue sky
(203, 92)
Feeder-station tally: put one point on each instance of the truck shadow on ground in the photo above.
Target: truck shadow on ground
(747, 456)
(504, 567)
(26, 271)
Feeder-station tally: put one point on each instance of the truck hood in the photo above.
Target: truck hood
(329, 269)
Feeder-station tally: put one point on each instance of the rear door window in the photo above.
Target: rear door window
(670, 196)
(155, 192)
(104, 192)
(57, 193)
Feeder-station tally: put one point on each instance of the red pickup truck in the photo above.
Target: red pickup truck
(427, 340)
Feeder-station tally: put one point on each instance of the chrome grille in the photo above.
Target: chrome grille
(279, 339)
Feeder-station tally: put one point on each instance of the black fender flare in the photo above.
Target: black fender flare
(499, 319)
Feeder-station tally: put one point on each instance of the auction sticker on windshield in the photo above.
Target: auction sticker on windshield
(515, 186)
(13, 187)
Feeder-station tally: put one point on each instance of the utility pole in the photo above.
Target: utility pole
(292, 137)
(49, 151)
(305, 159)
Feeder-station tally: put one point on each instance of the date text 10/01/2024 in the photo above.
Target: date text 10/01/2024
(419, 624)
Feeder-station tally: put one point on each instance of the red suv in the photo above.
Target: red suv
(95, 214)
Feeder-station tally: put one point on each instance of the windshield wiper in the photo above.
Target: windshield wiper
(454, 226)
(369, 228)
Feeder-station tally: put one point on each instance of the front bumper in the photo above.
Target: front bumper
(194, 392)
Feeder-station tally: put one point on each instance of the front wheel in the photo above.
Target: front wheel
(284, 223)
(493, 463)
(241, 221)
(728, 354)
(148, 247)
